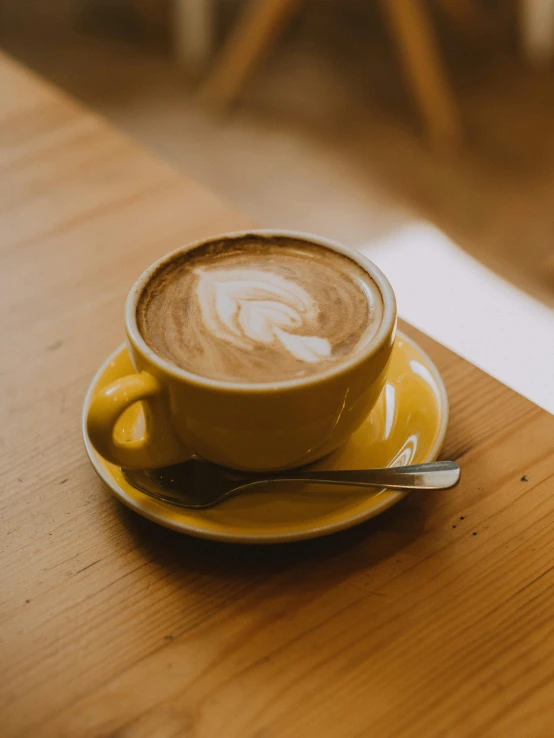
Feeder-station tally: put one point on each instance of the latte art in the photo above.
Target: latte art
(259, 309)
(246, 307)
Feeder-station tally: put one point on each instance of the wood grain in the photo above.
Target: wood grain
(433, 620)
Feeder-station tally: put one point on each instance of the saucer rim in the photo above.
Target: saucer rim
(390, 499)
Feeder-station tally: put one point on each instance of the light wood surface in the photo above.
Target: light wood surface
(433, 620)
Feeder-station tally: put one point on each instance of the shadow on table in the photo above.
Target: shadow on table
(325, 560)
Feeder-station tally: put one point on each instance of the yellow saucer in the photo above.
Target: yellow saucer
(407, 426)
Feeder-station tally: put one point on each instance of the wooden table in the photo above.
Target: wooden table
(435, 619)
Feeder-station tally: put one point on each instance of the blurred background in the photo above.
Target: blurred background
(419, 131)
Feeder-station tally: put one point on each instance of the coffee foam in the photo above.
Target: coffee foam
(249, 307)
(259, 309)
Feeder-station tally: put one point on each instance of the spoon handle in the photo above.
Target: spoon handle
(432, 475)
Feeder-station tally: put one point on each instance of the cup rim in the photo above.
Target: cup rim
(387, 326)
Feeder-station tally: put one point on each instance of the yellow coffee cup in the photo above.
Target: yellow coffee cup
(249, 426)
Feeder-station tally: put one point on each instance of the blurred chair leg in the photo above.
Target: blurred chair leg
(537, 27)
(420, 55)
(193, 22)
(261, 22)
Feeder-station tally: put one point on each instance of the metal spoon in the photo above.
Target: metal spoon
(198, 484)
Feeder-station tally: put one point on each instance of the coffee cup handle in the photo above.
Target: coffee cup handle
(161, 448)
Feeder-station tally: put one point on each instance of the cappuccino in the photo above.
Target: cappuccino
(259, 309)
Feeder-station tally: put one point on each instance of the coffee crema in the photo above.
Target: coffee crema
(259, 309)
